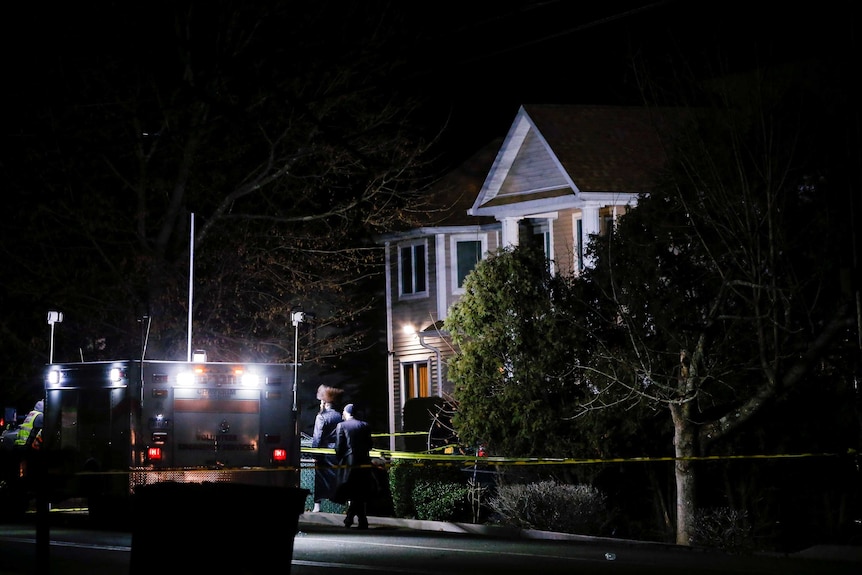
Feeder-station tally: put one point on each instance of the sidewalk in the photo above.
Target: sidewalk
(850, 553)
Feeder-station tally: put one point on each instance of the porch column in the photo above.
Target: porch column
(510, 231)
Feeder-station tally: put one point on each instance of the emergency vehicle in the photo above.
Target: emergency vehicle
(112, 426)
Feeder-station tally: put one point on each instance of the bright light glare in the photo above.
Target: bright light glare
(250, 380)
(53, 377)
(409, 329)
(115, 375)
(185, 378)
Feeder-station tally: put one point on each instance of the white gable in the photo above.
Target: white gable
(527, 177)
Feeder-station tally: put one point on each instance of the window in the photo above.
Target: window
(414, 380)
(412, 269)
(467, 251)
(468, 254)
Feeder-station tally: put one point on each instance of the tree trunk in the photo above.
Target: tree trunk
(684, 449)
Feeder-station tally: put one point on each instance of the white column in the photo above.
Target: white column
(510, 231)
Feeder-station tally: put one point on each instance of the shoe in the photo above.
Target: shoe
(362, 525)
(348, 522)
(316, 508)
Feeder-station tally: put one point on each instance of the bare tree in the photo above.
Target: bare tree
(280, 127)
(723, 286)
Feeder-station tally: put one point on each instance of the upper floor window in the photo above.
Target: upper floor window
(413, 269)
(467, 251)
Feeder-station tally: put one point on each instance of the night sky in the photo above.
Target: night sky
(477, 61)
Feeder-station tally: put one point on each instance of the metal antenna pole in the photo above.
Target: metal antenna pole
(191, 284)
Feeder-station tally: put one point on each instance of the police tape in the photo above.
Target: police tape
(421, 457)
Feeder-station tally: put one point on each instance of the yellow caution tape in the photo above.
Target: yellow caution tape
(419, 459)
(493, 460)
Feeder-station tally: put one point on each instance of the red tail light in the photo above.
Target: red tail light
(154, 453)
(279, 454)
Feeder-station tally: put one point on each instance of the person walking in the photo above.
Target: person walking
(355, 479)
(324, 436)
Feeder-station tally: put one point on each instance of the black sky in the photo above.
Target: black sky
(557, 52)
(480, 60)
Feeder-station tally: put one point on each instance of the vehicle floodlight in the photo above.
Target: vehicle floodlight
(250, 380)
(185, 378)
(53, 377)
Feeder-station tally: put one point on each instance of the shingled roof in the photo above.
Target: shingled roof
(455, 192)
(561, 156)
(611, 149)
(605, 148)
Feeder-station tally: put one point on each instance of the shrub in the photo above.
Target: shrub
(552, 506)
(723, 528)
(441, 500)
(403, 477)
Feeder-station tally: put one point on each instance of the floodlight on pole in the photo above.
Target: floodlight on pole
(53, 317)
(296, 318)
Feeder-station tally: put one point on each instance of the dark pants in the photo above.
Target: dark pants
(357, 509)
(325, 477)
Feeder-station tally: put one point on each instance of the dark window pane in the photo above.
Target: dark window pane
(469, 254)
(419, 263)
(406, 270)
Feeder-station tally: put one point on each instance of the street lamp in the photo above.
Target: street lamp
(53, 317)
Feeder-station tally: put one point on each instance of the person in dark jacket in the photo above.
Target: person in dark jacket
(355, 479)
(324, 436)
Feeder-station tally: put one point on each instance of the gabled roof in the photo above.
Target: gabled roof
(450, 197)
(562, 156)
(456, 191)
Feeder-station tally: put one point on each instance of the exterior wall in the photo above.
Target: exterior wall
(414, 320)
(411, 315)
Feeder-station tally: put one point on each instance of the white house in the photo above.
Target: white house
(561, 174)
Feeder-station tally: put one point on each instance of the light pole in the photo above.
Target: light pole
(296, 318)
(53, 317)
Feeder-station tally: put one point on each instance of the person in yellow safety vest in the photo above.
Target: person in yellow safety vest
(32, 426)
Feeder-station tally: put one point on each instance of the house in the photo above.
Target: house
(560, 174)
